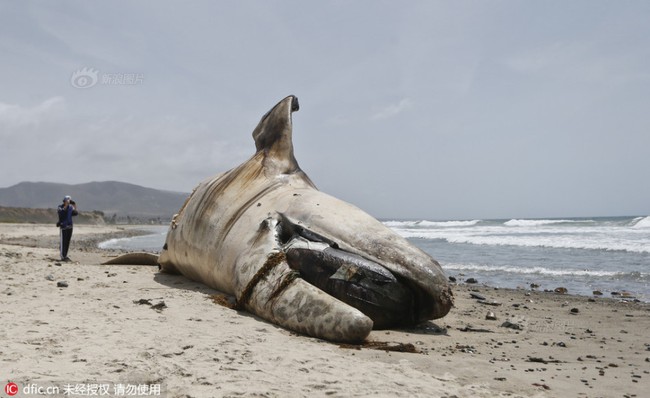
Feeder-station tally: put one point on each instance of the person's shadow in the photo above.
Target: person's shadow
(179, 281)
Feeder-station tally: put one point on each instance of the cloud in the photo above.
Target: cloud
(580, 61)
(392, 109)
(13, 115)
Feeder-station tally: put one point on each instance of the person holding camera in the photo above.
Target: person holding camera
(66, 211)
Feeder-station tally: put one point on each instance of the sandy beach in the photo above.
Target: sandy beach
(80, 328)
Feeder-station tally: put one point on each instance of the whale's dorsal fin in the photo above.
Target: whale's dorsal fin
(273, 136)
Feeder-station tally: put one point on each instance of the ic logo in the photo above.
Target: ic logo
(11, 389)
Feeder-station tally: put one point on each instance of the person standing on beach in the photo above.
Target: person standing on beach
(66, 210)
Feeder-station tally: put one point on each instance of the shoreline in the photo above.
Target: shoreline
(85, 237)
(94, 330)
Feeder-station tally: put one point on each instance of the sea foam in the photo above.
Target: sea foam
(547, 271)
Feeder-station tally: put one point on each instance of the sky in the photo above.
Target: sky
(422, 109)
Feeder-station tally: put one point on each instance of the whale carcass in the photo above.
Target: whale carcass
(296, 256)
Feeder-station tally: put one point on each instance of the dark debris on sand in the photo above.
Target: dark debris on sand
(383, 346)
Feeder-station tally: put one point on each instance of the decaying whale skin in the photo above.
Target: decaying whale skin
(296, 256)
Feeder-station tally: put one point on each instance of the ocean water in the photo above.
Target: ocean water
(149, 243)
(609, 254)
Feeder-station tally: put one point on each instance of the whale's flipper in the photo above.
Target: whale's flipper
(140, 258)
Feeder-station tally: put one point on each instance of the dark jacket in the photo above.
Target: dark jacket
(65, 216)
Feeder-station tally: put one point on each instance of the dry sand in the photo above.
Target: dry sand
(95, 332)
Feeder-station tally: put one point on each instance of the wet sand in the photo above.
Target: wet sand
(81, 324)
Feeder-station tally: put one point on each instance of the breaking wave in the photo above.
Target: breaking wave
(535, 223)
(558, 241)
(641, 222)
(431, 224)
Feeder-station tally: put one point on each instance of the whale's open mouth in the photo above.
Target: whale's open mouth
(388, 299)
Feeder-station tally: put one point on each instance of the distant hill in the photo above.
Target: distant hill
(115, 199)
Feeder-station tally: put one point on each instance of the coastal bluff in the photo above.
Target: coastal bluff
(46, 216)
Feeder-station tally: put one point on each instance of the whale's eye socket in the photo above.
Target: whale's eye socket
(287, 231)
